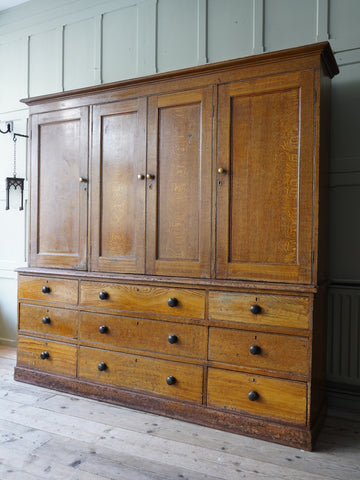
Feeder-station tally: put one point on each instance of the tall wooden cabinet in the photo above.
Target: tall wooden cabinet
(177, 258)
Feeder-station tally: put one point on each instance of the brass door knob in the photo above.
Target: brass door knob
(140, 176)
(149, 176)
(82, 179)
(221, 170)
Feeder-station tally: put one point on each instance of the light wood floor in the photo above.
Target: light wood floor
(50, 435)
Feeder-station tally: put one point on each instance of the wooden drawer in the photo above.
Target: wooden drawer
(143, 299)
(61, 359)
(277, 398)
(48, 320)
(279, 310)
(141, 373)
(283, 353)
(148, 335)
(60, 291)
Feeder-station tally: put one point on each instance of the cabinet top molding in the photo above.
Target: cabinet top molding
(320, 50)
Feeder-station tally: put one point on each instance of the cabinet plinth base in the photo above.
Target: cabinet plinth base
(282, 433)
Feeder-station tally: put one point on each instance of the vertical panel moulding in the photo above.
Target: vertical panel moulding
(357, 339)
(28, 67)
(146, 54)
(346, 331)
(258, 26)
(100, 186)
(322, 20)
(231, 180)
(98, 22)
(330, 335)
(60, 55)
(202, 32)
(353, 340)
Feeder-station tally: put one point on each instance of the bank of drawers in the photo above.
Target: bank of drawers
(167, 341)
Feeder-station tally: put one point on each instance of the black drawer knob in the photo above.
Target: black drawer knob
(44, 355)
(46, 320)
(171, 380)
(102, 366)
(103, 295)
(103, 329)
(172, 339)
(255, 309)
(255, 350)
(253, 396)
(46, 289)
(173, 302)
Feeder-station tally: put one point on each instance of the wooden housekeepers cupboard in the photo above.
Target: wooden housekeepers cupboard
(177, 244)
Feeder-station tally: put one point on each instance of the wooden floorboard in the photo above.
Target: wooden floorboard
(48, 435)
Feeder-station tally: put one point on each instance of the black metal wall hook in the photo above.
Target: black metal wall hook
(8, 130)
(18, 135)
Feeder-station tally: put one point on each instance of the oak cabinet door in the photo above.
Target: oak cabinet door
(265, 182)
(179, 188)
(118, 194)
(59, 159)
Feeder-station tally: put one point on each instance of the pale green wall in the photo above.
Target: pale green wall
(52, 45)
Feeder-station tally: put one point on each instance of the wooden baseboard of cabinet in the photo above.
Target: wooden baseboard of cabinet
(293, 435)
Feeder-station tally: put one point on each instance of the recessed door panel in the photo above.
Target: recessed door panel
(264, 215)
(179, 188)
(59, 212)
(118, 200)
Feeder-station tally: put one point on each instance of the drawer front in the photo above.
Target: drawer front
(283, 353)
(142, 299)
(56, 290)
(279, 310)
(141, 373)
(48, 320)
(61, 357)
(148, 335)
(280, 399)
